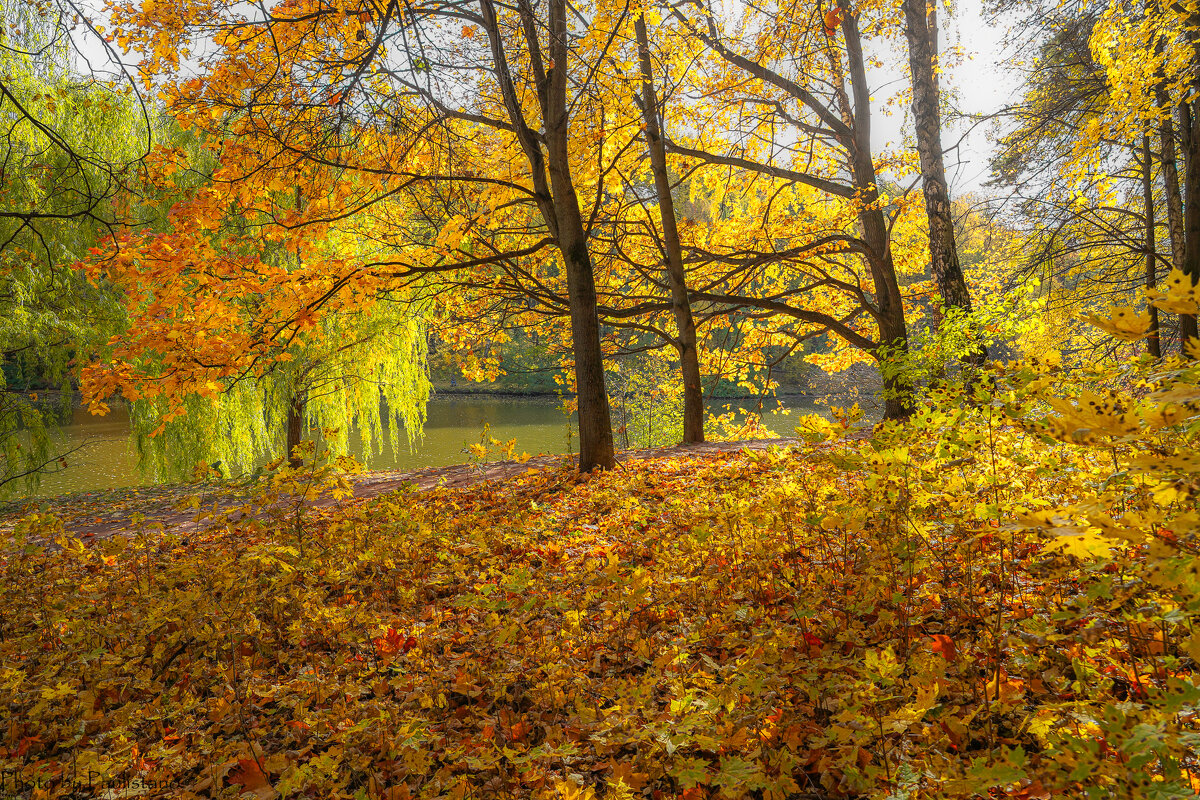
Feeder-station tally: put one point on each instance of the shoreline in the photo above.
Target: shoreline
(55, 396)
(458, 391)
(101, 513)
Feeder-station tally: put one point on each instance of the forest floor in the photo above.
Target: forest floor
(912, 615)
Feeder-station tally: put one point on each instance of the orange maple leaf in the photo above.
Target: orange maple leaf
(249, 774)
(945, 645)
(833, 18)
(393, 642)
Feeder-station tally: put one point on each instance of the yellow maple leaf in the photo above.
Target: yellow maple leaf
(1124, 322)
(1177, 296)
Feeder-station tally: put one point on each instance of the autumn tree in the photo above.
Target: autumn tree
(681, 308)
(425, 95)
(246, 329)
(790, 115)
(1105, 117)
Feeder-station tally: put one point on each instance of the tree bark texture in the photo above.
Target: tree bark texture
(295, 429)
(1189, 134)
(1170, 170)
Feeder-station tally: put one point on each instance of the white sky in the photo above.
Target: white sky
(978, 85)
(983, 85)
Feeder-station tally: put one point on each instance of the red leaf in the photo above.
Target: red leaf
(393, 642)
(833, 18)
(944, 645)
(249, 774)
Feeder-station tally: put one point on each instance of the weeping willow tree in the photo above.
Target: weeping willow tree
(355, 379)
(360, 379)
(254, 319)
(67, 139)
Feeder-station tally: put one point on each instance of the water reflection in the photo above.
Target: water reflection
(106, 458)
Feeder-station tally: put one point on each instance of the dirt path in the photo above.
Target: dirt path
(99, 514)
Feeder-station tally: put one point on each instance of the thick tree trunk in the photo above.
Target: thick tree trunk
(595, 424)
(295, 429)
(889, 311)
(685, 343)
(1153, 347)
(1189, 134)
(559, 205)
(921, 28)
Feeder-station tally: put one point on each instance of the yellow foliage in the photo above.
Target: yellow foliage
(1177, 294)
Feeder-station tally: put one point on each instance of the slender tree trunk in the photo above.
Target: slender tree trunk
(921, 28)
(296, 408)
(685, 343)
(595, 425)
(1189, 134)
(1153, 346)
(1170, 171)
(295, 428)
(889, 312)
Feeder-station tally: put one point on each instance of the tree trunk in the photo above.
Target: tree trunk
(685, 343)
(595, 424)
(295, 429)
(296, 408)
(1153, 347)
(559, 206)
(921, 28)
(889, 312)
(1174, 203)
(1189, 134)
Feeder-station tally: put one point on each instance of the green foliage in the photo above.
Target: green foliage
(68, 143)
(1009, 324)
(526, 365)
(360, 376)
(47, 317)
(646, 396)
(64, 142)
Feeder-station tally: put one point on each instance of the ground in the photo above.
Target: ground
(716, 622)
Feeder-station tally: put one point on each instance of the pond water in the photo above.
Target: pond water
(105, 458)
